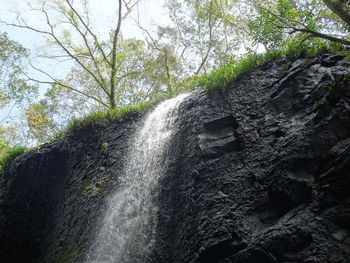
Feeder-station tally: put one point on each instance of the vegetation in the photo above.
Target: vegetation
(108, 76)
(105, 145)
(13, 87)
(220, 78)
(117, 114)
(14, 90)
(224, 76)
(104, 63)
(7, 157)
(276, 22)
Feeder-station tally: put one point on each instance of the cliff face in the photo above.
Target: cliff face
(258, 172)
(52, 198)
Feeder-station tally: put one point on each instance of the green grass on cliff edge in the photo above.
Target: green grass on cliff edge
(7, 157)
(117, 114)
(224, 76)
(219, 78)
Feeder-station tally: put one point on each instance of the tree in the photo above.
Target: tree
(68, 27)
(132, 60)
(110, 71)
(13, 87)
(9, 138)
(275, 22)
(15, 92)
(104, 72)
(40, 123)
(4, 143)
(203, 35)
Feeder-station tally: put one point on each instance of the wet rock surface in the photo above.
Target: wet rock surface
(259, 173)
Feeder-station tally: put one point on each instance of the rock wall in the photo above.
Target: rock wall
(52, 198)
(259, 173)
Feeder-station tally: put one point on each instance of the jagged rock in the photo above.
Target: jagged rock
(220, 137)
(258, 173)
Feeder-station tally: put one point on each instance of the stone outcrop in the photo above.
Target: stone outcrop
(259, 173)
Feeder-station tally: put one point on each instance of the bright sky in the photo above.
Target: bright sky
(104, 18)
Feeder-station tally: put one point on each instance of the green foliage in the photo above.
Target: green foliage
(15, 92)
(279, 21)
(224, 76)
(111, 72)
(9, 137)
(7, 157)
(220, 78)
(40, 121)
(4, 142)
(12, 79)
(118, 114)
(203, 33)
(105, 145)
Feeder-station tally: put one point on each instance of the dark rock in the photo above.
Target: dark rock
(287, 193)
(220, 137)
(53, 197)
(221, 250)
(329, 61)
(258, 173)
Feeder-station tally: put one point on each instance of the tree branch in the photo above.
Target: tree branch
(89, 49)
(210, 25)
(91, 33)
(305, 29)
(53, 35)
(321, 35)
(57, 82)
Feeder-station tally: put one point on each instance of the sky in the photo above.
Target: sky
(104, 17)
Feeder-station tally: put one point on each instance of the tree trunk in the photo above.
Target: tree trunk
(114, 58)
(341, 8)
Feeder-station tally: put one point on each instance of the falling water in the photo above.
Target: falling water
(128, 230)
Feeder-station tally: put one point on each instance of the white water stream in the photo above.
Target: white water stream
(128, 230)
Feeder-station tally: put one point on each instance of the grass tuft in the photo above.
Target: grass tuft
(224, 76)
(117, 114)
(11, 154)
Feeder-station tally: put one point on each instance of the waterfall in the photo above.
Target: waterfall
(128, 230)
